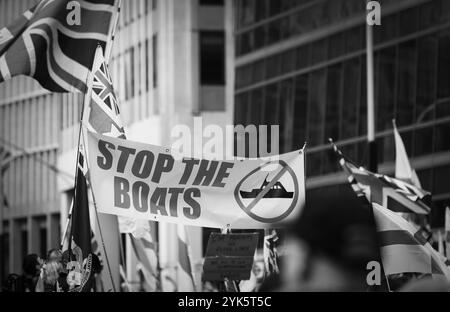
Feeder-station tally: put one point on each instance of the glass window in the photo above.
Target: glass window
(319, 51)
(444, 65)
(336, 46)
(300, 111)
(385, 100)
(286, 115)
(423, 141)
(288, 61)
(334, 97)
(442, 135)
(388, 29)
(212, 58)
(350, 98)
(427, 48)
(274, 32)
(261, 9)
(406, 81)
(407, 24)
(273, 66)
(316, 107)
(272, 110)
(303, 54)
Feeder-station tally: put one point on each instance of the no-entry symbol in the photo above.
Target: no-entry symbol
(268, 196)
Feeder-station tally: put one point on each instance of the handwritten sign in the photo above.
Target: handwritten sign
(229, 256)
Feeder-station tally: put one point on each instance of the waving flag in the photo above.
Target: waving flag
(270, 252)
(383, 191)
(403, 248)
(46, 44)
(102, 115)
(403, 170)
(185, 277)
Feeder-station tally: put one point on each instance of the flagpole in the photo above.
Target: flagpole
(112, 31)
(98, 225)
(373, 161)
(67, 226)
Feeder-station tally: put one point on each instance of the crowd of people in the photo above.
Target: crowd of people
(57, 272)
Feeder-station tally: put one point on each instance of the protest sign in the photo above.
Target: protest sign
(145, 182)
(229, 256)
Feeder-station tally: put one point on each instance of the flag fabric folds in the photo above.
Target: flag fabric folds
(271, 252)
(48, 44)
(102, 115)
(404, 248)
(403, 170)
(385, 191)
(185, 277)
(80, 233)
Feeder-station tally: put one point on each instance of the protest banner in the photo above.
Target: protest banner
(145, 182)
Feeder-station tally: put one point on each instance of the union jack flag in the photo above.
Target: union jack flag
(43, 44)
(384, 191)
(102, 113)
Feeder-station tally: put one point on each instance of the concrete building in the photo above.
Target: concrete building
(168, 66)
(302, 65)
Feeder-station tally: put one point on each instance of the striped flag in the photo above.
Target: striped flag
(271, 252)
(403, 169)
(145, 249)
(404, 249)
(384, 191)
(184, 272)
(48, 44)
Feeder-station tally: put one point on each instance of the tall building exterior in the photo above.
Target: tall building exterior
(302, 65)
(168, 67)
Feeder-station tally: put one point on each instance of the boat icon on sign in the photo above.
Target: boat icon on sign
(276, 191)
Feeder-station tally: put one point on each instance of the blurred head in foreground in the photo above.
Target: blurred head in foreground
(329, 246)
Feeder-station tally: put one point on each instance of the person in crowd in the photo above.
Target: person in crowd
(53, 276)
(31, 267)
(330, 244)
(26, 282)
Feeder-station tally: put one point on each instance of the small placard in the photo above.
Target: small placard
(229, 256)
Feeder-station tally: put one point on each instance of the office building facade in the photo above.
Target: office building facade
(168, 67)
(302, 65)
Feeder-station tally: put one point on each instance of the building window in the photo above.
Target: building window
(43, 241)
(212, 2)
(212, 58)
(155, 60)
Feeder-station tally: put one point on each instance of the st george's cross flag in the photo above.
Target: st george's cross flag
(50, 45)
(385, 191)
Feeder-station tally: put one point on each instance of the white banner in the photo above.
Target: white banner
(145, 182)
